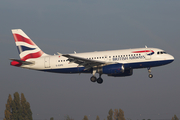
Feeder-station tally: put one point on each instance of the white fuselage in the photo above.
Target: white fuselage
(132, 58)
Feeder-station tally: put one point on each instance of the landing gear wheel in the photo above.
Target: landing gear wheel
(150, 76)
(93, 79)
(100, 80)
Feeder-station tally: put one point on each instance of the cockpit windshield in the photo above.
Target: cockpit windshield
(161, 52)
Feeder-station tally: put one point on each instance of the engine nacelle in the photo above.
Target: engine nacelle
(113, 69)
(128, 72)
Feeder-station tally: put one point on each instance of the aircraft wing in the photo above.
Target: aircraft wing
(87, 63)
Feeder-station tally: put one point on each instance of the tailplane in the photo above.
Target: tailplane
(26, 47)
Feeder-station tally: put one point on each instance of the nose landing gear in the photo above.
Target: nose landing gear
(149, 71)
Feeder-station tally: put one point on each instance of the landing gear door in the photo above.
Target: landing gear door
(47, 62)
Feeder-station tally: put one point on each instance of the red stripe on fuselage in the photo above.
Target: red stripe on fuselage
(19, 38)
(142, 51)
(32, 55)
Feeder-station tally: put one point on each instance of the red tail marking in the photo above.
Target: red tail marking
(19, 38)
(32, 55)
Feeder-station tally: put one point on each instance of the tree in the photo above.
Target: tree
(17, 109)
(109, 117)
(119, 115)
(51, 118)
(68, 118)
(97, 118)
(29, 112)
(175, 118)
(115, 114)
(85, 118)
(8, 110)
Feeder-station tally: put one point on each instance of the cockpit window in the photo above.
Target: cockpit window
(161, 52)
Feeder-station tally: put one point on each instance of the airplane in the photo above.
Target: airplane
(116, 63)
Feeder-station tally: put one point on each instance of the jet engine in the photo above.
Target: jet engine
(112, 69)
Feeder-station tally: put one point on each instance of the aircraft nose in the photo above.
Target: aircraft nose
(170, 57)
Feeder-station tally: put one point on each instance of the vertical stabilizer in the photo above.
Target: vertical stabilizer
(26, 47)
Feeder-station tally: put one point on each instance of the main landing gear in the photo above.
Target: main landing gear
(94, 79)
(149, 71)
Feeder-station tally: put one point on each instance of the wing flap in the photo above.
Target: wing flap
(87, 63)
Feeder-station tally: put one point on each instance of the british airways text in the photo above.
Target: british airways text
(128, 58)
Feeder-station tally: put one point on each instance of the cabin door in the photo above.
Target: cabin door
(148, 55)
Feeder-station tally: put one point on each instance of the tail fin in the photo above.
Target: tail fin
(26, 47)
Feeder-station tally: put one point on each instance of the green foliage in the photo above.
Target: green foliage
(97, 118)
(85, 118)
(175, 118)
(68, 118)
(7, 112)
(119, 115)
(51, 118)
(109, 117)
(17, 109)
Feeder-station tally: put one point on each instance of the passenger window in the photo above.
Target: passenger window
(102, 57)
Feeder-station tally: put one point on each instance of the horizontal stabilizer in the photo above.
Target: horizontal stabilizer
(16, 62)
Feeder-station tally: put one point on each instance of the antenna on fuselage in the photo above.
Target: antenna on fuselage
(145, 46)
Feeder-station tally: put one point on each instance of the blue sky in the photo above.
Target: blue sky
(92, 25)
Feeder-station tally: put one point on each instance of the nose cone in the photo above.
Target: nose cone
(171, 58)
